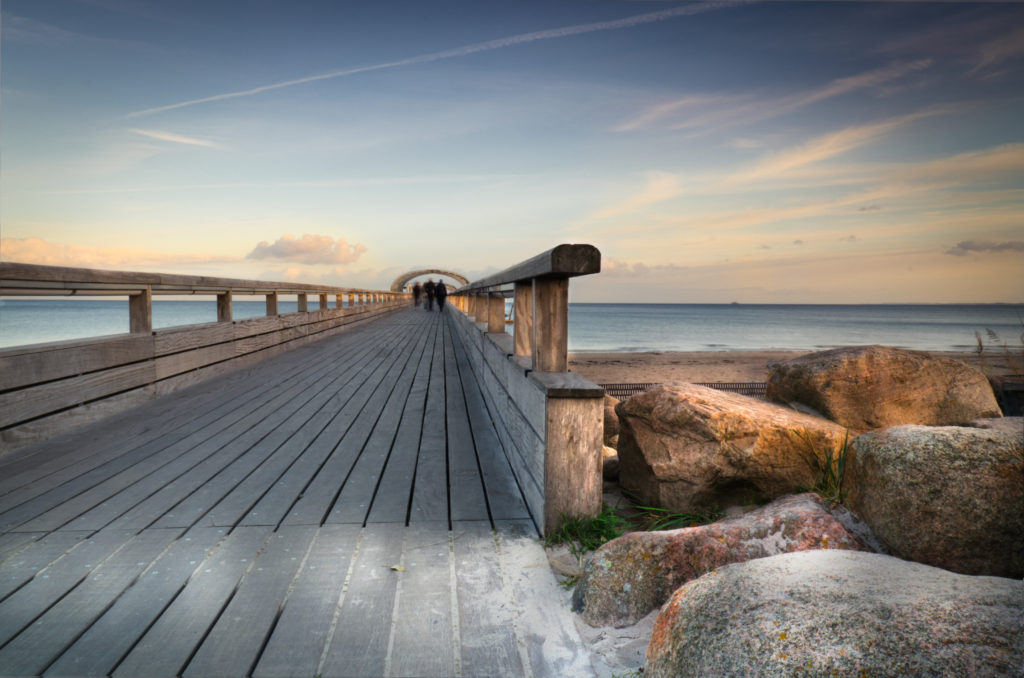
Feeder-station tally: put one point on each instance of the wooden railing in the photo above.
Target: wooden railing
(49, 388)
(550, 420)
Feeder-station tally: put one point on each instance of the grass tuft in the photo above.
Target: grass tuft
(828, 464)
(587, 534)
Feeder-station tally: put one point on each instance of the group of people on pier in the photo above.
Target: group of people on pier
(432, 291)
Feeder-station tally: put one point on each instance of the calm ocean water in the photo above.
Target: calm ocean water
(601, 327)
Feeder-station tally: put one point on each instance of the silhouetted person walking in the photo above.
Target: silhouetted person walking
(440, 291)
(428, 289)
(417, 291)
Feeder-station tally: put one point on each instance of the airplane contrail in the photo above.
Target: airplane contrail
(498, 43)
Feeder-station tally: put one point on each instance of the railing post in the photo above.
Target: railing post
(224, 307)
(323, 301)
(481, 307)
(522, 319)
(551, 324)
(140, 311)
(338, 300)
(272, 304)
(303, 303)
(496, 313)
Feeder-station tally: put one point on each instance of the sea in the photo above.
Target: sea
(604, 327)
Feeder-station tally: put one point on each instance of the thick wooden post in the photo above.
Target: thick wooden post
(272, 304)
(481, 307)
(224, 307)
(496, 312)
(323, 301)
(351, 299)
(551, 325)
(572, 465)
(303, 303)
(140, 311)
(338, 302)
(522, 319)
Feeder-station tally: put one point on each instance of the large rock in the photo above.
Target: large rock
(611, 421)
(630, 576)
(845, 613)
(947, 496)
(870, 387)
(690, 448)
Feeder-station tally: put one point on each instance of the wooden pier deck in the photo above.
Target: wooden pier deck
(342, 509)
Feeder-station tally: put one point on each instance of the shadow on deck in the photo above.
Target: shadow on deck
(341, 509)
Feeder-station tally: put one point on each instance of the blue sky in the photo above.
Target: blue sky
(763, 152)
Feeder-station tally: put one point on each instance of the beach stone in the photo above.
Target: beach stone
(845, 613)
(872, 387)
(610, 468)
(611, 421)
(629, 576)
(948, 496)
(690, 448)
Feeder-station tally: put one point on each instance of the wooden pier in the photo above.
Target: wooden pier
(346, 491)
(341, 509)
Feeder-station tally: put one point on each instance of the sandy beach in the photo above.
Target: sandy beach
(718, 366)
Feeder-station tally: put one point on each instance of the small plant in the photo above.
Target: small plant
(829, 466)
(587, 534)
(653, 518)
(1012, 357)
(656, 518)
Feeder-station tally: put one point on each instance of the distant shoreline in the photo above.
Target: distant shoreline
(717, 366)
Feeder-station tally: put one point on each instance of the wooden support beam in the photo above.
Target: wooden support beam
(481, 308)
(140, 311)
(551, 325)
(323, 300)
(496, 313)
(572, 465)
(522, 316)
(339, 300)
(224, 314)
(272, 304)
(303, 303)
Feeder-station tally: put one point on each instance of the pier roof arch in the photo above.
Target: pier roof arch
(402, 280)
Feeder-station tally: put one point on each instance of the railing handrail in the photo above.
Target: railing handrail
(540, 316)
(17, 279)
(563, 261)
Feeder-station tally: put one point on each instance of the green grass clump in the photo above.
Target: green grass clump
(654, 518)
(587, 534)
(829, 466)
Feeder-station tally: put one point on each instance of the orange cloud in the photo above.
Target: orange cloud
(309, 249)
(39, 251)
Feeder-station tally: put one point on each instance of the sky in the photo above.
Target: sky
(758, 152)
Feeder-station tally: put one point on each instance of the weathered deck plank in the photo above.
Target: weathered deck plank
(296, 645)
(259, 534)
(171, 641)
(106, 642)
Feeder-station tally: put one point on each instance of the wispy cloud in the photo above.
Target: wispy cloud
(717, 111)
(466, 50)
(45, 252)
(994, 53)
(660, 186)
(309, 249)
(174, 138)
(825, 147)
(965, 247)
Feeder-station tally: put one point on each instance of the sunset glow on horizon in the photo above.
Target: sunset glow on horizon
(760, 152)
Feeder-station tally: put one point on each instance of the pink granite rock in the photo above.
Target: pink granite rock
(871, 387)
(947, 496)
(634, 574)
(839, 613)
(690, 448)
